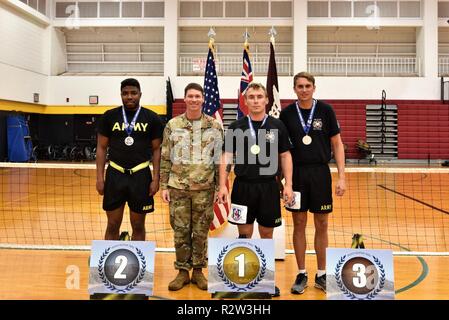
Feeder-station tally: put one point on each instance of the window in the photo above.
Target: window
(235, 9)
(364, 9)
(257, 9)
(281, 9)
(213, 9)
(340, 9)
(189, 9)
(409, 9)
(109, 9)
(318, 9)
(387, 9)
(131, 9)
(154, 10)
(65, 9)
(88, 9)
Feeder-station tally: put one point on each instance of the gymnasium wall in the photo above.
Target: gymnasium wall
(107, 88)
(25, 73)
(18, 34)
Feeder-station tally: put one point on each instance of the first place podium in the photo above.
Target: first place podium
(241, 268)
(121, 270)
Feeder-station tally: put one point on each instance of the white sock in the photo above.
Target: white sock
(320, 273)
(303, 271)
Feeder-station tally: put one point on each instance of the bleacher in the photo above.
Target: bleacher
(423, 130)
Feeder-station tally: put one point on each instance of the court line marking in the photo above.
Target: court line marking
(413, 199)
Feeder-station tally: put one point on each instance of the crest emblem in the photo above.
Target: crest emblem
(317, 124)
(236, 214)
(270, 136)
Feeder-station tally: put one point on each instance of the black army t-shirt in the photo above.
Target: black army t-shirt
(148, 128)
(324, 126)
(239, 141)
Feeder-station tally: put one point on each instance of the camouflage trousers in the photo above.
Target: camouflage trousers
(191, 213)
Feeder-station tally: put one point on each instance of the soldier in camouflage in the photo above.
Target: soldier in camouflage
(191, 150)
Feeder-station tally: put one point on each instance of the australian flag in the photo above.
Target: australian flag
(245, 80)
(211, 107)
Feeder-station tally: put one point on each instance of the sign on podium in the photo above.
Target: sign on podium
(121, 267)
(359, 274)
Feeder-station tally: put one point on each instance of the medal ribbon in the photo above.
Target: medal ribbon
(306, 127)
(251, 127)
(130, 127)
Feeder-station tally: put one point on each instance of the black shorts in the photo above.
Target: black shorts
(262, 199)
(120, 188)
(315, 184)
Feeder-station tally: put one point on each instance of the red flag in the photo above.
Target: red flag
(274, 101)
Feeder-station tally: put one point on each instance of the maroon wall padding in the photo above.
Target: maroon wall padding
(352, 120)
(423, 131)
(423, 126)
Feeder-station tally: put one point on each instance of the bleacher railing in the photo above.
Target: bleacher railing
(231, 64)
(364, 66)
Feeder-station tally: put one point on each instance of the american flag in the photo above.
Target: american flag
(245, 80)
(211, 107)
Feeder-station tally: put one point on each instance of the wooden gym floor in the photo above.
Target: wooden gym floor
(42, 274)
(402, 211)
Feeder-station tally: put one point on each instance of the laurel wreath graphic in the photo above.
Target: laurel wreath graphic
(375, 292)
(231, 284)
(340, 285)
(351, 295)
(133, 284)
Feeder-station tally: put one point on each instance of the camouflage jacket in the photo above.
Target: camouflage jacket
(191, 153)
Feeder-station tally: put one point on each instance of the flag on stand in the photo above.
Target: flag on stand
(169, 99)
(274, 101)
(245, 80)
(211, 107)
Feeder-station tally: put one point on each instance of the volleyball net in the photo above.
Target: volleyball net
(56, 205)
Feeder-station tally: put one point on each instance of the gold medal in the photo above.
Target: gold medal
(307, 140)
(255, 149)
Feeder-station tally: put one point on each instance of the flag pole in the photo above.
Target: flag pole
(273, 33)
(246, 37)
(211, 34)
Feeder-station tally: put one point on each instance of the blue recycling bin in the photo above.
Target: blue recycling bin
(19, 140)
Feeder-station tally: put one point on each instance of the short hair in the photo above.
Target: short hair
(257, 86)
(130, 82)
(304, 75)
(194, 86)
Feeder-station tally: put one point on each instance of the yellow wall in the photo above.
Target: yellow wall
(6, 105)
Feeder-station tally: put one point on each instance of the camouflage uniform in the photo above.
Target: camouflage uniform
(189, 169)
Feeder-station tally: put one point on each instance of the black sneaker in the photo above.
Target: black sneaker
(320, 282)
(300, 284)
(276, 293)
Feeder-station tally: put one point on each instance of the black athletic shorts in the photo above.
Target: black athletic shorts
(120, 188)
(261, 196)
(315, 184)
